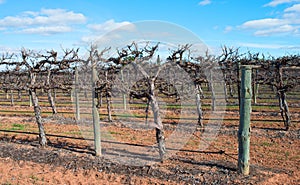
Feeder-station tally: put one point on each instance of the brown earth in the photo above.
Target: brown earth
(69, 159)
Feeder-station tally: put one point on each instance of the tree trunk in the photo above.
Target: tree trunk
(230, 87)
(30, 100)
(238, 83)
(38, 118)
(198, 104)
(124, 94)
(72, 95)
(99, 98)
(254, 86)
(255, 92)
(20, 95)
(12, 101)
(284, 109)
(273, 87)
(225, 91)
(225, 87)
(108, 95)
(51, 101)
(54, 95)
(50, 98)
(287, 114)
(6, 93)
(108, 106)
(157, 120)
(85, 94)
(77, 106)
(37, 111)
(213, 94)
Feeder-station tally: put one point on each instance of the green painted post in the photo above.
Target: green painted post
(244, 127)
(96, 124)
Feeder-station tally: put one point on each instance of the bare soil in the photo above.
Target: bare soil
(69, 158)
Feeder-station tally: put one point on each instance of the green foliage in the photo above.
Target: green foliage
(113, 132)
(34, 178)
(16, 126)
(6, 183)
(73, 133)
(266, 144)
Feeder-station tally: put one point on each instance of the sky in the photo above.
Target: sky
(271, 27)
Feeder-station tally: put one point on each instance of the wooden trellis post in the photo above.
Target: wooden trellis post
(244, 127)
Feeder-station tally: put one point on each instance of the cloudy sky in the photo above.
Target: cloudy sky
(268, 26)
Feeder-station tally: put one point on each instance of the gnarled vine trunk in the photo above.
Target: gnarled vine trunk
(284, 108)
(108, 104)
(37, 112)
(12, 101)
(198, 104)
(50, 97)
(160, 138)
(52, 102)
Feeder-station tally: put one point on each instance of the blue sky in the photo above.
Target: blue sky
(268, 26)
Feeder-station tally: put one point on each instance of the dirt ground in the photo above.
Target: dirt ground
(69, 159)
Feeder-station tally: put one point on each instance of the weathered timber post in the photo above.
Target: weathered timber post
(244, 127)
(77, 95)
(96, 124)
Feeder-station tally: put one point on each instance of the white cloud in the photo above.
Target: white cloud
(110, 25)
(279, 2)
(204, 2)
(287, 22)
(268, 46)
(228, 29)
(99, 30)
(258, 45)
(294, 8)
(2, 1)
(47, 30)
(263, 23)
(284, 29)
(43, 22)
